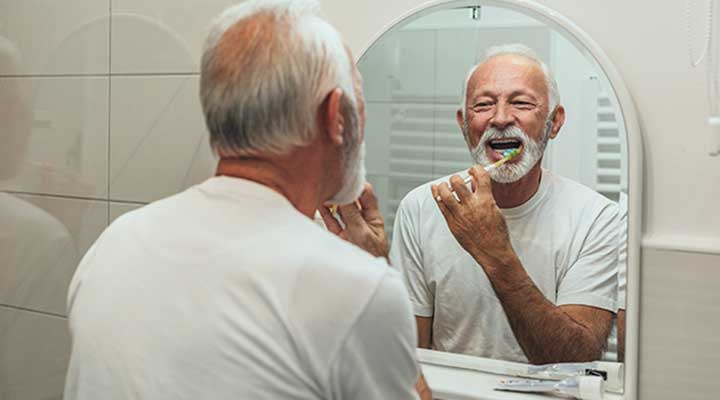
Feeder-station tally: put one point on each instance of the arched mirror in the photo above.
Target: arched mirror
(414, 74)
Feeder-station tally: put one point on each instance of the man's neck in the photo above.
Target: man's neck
(509, 195)
(278, 175)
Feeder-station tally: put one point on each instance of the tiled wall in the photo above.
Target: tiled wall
(680, 357)
(99, 114)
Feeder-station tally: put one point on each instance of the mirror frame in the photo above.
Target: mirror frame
(587, 45)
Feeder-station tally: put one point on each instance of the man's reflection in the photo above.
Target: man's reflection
(37, 252)
(523, 266)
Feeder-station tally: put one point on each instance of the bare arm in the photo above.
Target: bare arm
(547, 333)
(424, 329)
(621, 335)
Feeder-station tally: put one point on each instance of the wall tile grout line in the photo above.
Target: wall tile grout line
(43, 313)
(109, 111)
(103, 75)
(89, 75)
(70, 197)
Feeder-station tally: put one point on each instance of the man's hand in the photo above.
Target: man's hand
(363, 222)
(474, 219)
(422, 388)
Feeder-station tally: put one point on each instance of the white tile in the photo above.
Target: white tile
(377, 68)
(54, 133)
(377, 137)
(400, 66)
(54, 37)
(118, 209)
(678, 315)
(42, 240)
(34, 357)
(454, 62)
(161, 36)
(159, 143)
(380, 186)
(450, 153)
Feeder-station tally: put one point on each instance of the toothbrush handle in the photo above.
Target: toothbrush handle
(489, 168)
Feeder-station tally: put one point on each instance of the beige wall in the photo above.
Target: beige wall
(680, 321)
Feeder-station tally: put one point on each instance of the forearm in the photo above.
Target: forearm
(621, 335)
(545, 332)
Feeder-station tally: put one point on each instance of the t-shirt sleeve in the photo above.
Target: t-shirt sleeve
(406, 257)
(592, 279)
(79, 275)
(377, 360)
(622, 251)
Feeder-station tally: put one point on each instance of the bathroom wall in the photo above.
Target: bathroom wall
(98, 114)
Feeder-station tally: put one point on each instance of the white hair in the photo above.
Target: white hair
(267, 67)
(522, 50)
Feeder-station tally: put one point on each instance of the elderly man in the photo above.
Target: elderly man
(520, 266)
(229, 289)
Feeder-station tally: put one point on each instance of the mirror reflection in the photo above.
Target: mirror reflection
(540, 278)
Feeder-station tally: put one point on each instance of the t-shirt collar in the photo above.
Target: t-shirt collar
(242, 189)
(534, 201)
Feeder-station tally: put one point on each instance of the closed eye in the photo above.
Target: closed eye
(482, 105)
(523, 104)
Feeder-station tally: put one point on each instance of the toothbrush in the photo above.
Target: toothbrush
(508, 155)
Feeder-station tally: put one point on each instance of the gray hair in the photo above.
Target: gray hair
(523, 51)
(267, 67)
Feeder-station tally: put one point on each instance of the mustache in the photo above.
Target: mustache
(512, 132)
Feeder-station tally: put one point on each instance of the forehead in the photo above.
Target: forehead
(506, 74)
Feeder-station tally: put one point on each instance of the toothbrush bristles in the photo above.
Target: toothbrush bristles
(508, 155)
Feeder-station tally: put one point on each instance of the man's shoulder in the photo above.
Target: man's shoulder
(578, 195)
(320, 248)
(421, 196)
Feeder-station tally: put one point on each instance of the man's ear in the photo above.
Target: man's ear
(460, 119)
(558, 120)
(333, 123)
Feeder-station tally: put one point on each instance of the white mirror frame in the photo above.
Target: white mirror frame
(635, 173)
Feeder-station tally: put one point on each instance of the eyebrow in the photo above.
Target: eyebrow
(513, 94)
(520, 92)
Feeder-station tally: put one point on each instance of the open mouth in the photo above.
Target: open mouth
(500, 146)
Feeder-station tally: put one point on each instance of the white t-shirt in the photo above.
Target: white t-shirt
(565, 237)
(622, 251)
(226, 291)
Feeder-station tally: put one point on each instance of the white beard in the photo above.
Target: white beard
(353, 181)
(511, 171)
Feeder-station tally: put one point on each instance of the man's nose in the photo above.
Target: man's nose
(502, 118)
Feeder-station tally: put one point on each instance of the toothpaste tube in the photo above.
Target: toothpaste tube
(581, 387)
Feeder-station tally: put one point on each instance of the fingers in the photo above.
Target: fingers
(460, 188)
(438, 200)
(331, 223)
(350, 214)
(481, 179)
(369, 205)
(445, 197)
